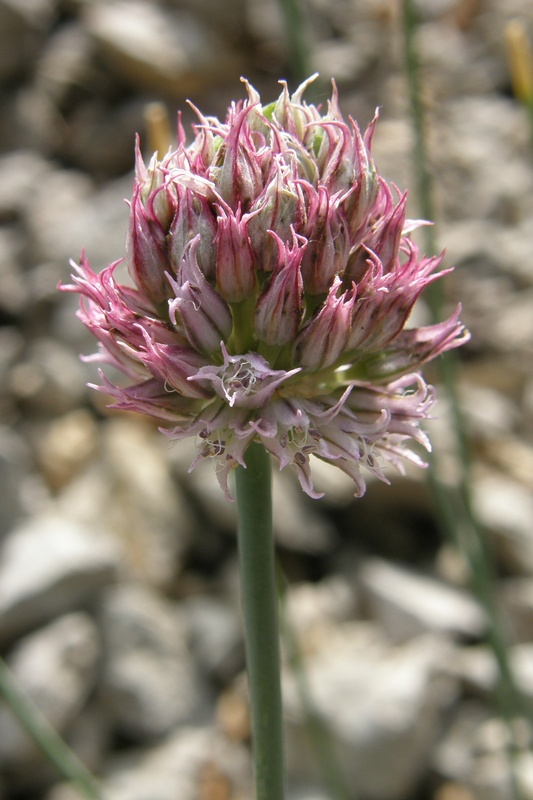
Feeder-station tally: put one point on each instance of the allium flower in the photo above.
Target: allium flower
(272, 276)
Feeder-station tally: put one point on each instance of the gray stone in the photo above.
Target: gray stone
(56, 668)
(215, 635)
(505, 507)
(14, 295)
(158, 49)
(487, 412)
(14, 465)
(479, 131)
(22, 26)
(476, 667)
(406, 604)
(65, 63)
(65, 214)
(473, 753)
(50, 565)
(21, 172)
(66, 446)
(383, 706)
(516, 595)
(228, 19)
(194, 762)
(149, 513)
(151, 547)
(315, 607)
(150, 683)
(49, 380)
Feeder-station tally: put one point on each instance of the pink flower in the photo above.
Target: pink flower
(273, 276)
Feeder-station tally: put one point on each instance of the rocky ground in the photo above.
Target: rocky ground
(119, 609)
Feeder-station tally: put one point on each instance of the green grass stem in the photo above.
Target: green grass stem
(454, 505)
(298, 38)
(261, 627)
(46, 738)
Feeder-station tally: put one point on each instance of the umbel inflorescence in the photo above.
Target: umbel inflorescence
(271, 278)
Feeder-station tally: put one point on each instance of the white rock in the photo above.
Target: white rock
(316, 606)
(14, 296)
(150, 683)
(516, 596)
(477, 668)
(194, 762)
(130, 487)
(14, 464)
(474, 753)
(154, 517)
(66, 446)
(65, 214)
(50, 379)
(21, 28)
(20, 172)
(382, 705)
(505, 507)
(488, 413)
(50, 565)
(56, 668)
(215, 635)
(406, 603)
(155, 48)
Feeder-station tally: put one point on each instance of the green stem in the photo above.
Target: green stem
(46, 738)
(260, 611)
(455, 506)
(298, 38)
(242, 338)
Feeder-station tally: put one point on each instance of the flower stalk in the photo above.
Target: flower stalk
(260, 612)
(46, 738)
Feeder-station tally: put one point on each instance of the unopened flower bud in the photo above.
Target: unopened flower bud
(197, 307)
(279, 309)
(323, 339)
(235, 273)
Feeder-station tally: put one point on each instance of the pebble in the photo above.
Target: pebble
(407, 604)
(194, 762)
(22, 28)
(216, 639)
(49, 379)
(505, 507)
(66, 446)
(13, 290)
(56, 667)
(150, 683)
(156, 49)
(50, 565)
(472, 755)
(382, 705)
(14, 466)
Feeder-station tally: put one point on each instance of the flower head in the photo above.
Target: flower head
(272, 276)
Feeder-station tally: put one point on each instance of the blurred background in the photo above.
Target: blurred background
(119, 597)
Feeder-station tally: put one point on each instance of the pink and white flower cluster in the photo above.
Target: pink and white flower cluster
(272, 275)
